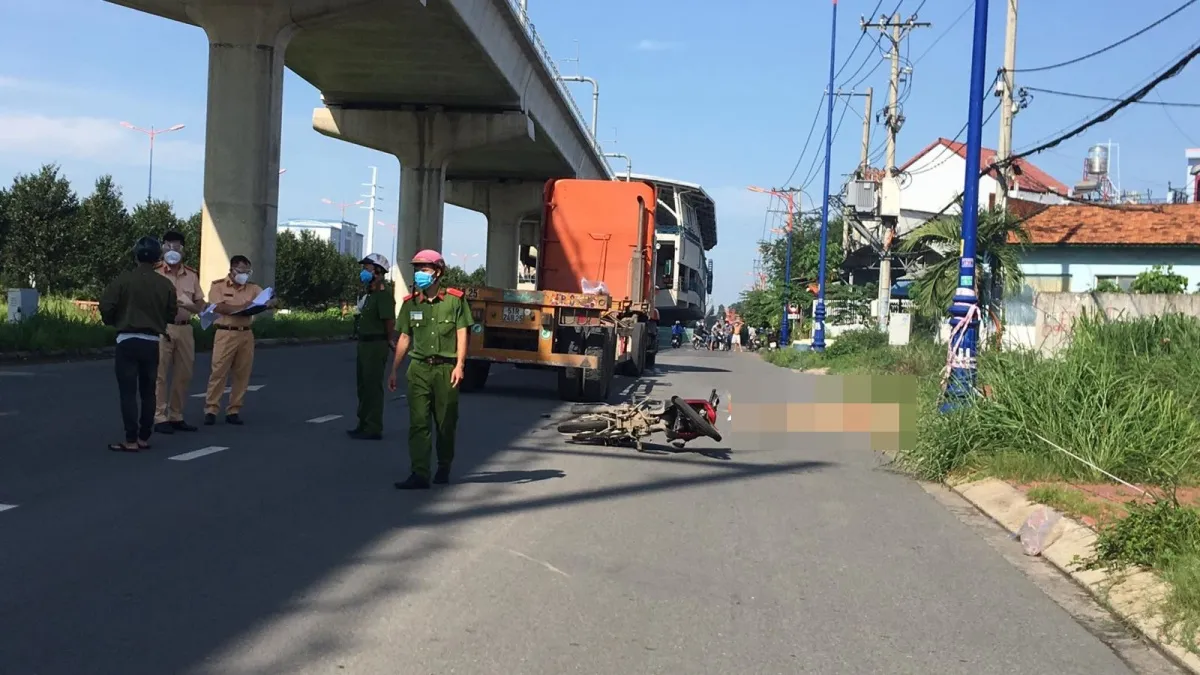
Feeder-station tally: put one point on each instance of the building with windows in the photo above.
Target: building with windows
(342, 234)
(1075, 248)
(685, 230)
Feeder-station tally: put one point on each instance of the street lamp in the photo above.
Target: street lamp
(341, 205)
(151, 132)
(464, 257)
(789, 197)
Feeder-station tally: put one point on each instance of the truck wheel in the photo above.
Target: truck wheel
(595, 381)
(475, 375)
(569, 388)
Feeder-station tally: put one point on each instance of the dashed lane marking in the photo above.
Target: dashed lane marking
(253, 387)
(323, 419)
(195, 454)
(7, 507)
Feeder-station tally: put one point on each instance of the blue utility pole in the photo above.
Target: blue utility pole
(964, 310)
(785, 328)
(818, 341)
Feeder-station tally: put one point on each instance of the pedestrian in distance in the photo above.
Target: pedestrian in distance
(233, 344)
(432, 331)
(177, 356)
(376, 321)
(139, 303)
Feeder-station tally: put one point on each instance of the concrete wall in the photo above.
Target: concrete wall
(1056, 314)
(1080, 266)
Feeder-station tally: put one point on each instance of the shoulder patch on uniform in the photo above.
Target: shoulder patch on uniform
(455, 292)
(406, 298)
(192, 270)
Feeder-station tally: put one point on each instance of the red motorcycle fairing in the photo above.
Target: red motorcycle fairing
(681, 431)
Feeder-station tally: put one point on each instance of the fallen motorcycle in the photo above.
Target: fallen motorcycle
(680, 419)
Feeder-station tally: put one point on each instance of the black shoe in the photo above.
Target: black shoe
(180, 425)
(164, 428)
(234, 419)
(209, 419)
(354, 432)
(413, 482)
(442, 477)
(363, 436)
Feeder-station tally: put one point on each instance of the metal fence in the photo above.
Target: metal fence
(548, 61)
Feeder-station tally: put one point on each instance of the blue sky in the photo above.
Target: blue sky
(711, 91)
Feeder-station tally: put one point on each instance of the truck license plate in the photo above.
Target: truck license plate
(514, 314)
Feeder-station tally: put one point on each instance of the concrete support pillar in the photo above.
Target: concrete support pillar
(505, 205)
(425, 142)
(242, 138)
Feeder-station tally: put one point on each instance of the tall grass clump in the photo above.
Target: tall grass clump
(1122, 395)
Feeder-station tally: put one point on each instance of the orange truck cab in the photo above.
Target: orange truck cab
(592, 313)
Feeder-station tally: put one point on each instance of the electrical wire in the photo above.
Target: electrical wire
(854, 50)
(804, 150)
(1110, 99)
(970, 6)
(812, 168)
(1171, 118)
(1172, 71)
(1110, 47)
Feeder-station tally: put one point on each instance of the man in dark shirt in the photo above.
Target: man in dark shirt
(139, 304)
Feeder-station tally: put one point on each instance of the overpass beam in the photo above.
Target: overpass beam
(505, 206)
(242, 136)
(425, 142)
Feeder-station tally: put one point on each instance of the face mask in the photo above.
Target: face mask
(366, 277)
(423, 279)
(241, 279)
(172, 257)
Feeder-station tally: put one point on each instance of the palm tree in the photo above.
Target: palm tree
(1001, 236)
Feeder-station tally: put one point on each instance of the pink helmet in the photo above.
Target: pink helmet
(428, 257)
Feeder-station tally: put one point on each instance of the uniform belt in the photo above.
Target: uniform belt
(436, 360)
(233, 327)
(181, 323)
(372, 338)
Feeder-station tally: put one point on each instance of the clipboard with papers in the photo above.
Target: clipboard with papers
(257, 306)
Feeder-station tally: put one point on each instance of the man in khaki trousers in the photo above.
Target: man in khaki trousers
(177, 354)
(233, 344)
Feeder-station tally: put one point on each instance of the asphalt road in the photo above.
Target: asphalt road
(288, 550)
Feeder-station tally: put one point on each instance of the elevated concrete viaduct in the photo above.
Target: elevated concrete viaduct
(460, 91)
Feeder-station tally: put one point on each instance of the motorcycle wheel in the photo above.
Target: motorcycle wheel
(583, 425)
(697, 421)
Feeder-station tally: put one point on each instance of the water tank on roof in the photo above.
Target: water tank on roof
(1097, 160)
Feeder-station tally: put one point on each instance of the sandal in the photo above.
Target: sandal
(143, 445)
(123, 447)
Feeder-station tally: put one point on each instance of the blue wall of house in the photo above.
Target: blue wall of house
(1081, 265)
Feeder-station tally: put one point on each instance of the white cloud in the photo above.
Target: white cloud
(51, 138)
(657, 46)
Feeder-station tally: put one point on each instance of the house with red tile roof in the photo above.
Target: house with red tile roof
(1075, 247)
(933, 178)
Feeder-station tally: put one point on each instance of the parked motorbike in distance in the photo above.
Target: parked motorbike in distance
(697, 342)
(676, 341)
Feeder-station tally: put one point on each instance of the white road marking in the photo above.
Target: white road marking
(198, 453)
(7, 507)
(535, 561)
(323, 419)
(253, 387)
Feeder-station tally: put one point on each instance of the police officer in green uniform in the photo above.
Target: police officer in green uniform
(432, 327)
(376, 317)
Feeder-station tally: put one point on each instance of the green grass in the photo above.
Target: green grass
(1067, 500)
(60, 326)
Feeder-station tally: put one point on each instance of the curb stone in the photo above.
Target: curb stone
(1133, 597)
(93, 353)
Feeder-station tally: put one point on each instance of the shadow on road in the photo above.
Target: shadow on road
(531, 476)
(169, 572)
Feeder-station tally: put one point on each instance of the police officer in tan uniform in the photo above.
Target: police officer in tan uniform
(233, 344)
(177, 356)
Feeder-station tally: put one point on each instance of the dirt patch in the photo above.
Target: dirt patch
(1095, 504)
